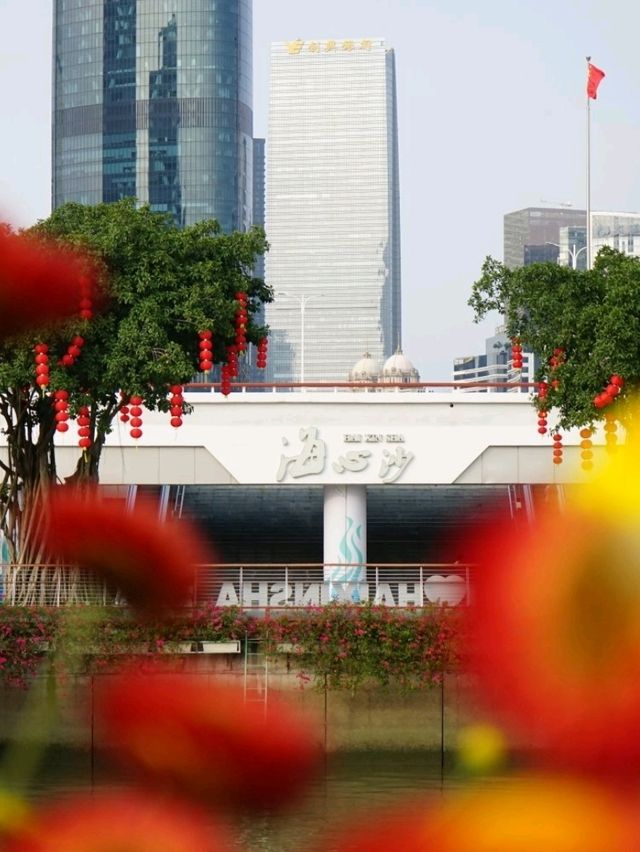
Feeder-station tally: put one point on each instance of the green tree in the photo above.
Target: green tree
(161, 286)
(583, 325)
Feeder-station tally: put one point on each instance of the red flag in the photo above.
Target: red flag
(593, 80)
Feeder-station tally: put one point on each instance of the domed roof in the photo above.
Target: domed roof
(399, 365)
(366, 370)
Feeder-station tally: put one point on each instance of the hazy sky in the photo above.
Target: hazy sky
(491, 113)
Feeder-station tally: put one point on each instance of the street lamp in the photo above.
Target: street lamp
(303, 301)
(573, 252)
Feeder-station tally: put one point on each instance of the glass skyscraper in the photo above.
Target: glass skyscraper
(332, 217)
(153, 99)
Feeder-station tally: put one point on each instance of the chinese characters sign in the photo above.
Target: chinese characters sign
(390, 461)
(295, 48)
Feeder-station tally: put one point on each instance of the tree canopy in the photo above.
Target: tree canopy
(158, 287)
(584, 327)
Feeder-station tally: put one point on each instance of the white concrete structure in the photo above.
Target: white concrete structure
(333, 211)
(344, 442)
(335, 438)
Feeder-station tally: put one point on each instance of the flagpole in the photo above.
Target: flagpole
(589, 247)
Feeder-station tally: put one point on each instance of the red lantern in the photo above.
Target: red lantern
(176, 422)
(205, 335)
(78, 341)
(617, 380)
(41, 358)
(176, 389)
(40, 348)
(62, 427)
(84, 420)
(61, 416)
(136, 422)
(84, 432)
(135, 411)
(136, 400)
(612, 390)
(542, 430)
(42, 381)
(84, 443)
(61, 394)
(67, 360)
(136, 433)
(175, 410)
(205, 366)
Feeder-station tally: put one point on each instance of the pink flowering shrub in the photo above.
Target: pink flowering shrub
(344, 646)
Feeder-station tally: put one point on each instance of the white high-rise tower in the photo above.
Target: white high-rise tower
(332, 217)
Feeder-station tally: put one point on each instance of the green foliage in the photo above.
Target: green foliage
(593, 315)
(159, 286)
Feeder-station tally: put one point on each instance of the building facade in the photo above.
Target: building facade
(493, 367)
(533, 235)
(619, 231)
(333, 218)
(153, 100)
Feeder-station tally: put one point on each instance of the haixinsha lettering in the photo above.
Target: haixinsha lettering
(262, 595)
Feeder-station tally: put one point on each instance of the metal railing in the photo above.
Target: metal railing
(261, 587)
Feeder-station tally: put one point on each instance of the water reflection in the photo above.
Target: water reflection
(355, 783)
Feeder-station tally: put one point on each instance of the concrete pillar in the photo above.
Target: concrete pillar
(345, 541)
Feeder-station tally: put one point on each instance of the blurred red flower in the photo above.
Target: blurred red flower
(126, 821)
(527, 815)
(200, 738)
(555, 637)
(39, 283)
(152, 562)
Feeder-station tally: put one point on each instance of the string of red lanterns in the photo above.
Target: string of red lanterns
(611, 391)
(206, 350)
(84, 427)
(42, 364)
(241, 322)
(557, 360)
(176, 402)
(61, 408)
(135, 412)
(261, 360)
(586, 449)
(542, 422)
(225, 380)
(557, 448)
(516, 353)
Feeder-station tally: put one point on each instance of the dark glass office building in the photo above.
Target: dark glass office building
(153, 99)
(533, 235)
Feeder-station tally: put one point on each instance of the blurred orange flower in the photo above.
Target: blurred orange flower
(126, 821)
(39, 283)
(556, 625)
(199, 738)
(528, 815)
(152, 562)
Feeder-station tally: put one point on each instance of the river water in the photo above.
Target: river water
(355, 786)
